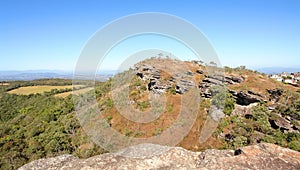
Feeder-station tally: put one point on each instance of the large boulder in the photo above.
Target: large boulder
(247, 97)
(233, 79)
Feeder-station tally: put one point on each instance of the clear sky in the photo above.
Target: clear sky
(50, 34)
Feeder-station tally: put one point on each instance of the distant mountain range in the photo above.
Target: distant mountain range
(100, 76)
(50, 74)
(276, 70)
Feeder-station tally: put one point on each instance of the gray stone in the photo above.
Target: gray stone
(274, 94)
(200, 71)
(247, 97)
(260, 156)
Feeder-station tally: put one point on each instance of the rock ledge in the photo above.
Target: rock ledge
(260, 156)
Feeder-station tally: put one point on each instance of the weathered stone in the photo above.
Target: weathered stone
(278, 122)
(184, 85)
(213, 81)
(147, 72)
(216, 114)
(236, 79)
(260, 156)
(220, 78)
(274, 94)
(189, 73)
(181, 81)
(205, 89)
(246, 98)
(199, 71)
(243, 110)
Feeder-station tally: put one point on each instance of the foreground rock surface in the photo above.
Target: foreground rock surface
(261, 156)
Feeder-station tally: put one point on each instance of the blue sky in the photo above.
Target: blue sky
(50, 34)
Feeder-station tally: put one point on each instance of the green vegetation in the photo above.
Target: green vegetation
(170, 108)
(75, 92)
(157, 131)
(246, 130)
(218, 96)
(222, 99)
(39, 125)
(143, 105)
(127, 132)
(229, 104)
(172, 90)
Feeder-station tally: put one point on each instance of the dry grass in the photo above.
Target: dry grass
(259, 83)
(76, 92)
(4, 84)
(165, 120)
(39, 89)
(255, 82)
(169, 115)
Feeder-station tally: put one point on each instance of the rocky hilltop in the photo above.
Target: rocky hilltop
(261, 156)
(234, 108)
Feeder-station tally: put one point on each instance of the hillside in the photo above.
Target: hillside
(250, 108)
(257, 108)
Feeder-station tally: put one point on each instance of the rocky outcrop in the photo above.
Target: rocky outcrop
(285, 124)
(205, 90)
(182, 81)
(226, 79)
(280, 123)
(216, 80)
(146, 72)
(184, 85)
(206, 85)
(233, 80)
(274, 94)
(247, 97)
(260, 156)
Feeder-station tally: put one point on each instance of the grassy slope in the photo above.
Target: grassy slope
(231, 124)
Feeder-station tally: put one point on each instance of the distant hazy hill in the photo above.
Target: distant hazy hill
(274, 70)
(48, 74)
(101, 76)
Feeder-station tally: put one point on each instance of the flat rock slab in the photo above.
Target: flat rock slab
(260, 156)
